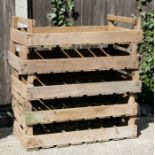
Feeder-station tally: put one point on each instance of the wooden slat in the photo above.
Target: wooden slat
(86, 37)
(122, 19)
(54, 29)
(15, 62)
(97, 37)
(40, 9)
(104, 111)
(78, 8)
(75, 90)
(72, 65)
(121, 48)
(19, 86)
(86, 10)
(90, 89)
(74, 137)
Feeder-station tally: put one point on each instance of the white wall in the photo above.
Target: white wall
(21, 8)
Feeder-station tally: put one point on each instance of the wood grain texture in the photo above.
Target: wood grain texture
(20, 37)
(18, 86)
(99, 10)
(86, 12)
(15, 62)
(72, 114)
(40, 11)
(24, 104)
(74, 137)
(75, 90)
(106, 37)
(7, 9)
(78, 12)
(121, 19)
(91, 12)
(90, 89)
(72, 65)
(20, 117)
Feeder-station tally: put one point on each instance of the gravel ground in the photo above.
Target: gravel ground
(143, 145)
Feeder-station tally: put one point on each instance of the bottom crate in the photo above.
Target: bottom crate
(77, 132)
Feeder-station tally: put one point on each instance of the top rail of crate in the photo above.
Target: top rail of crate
(108, 34)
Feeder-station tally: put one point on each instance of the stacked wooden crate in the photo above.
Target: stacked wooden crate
(67, 95)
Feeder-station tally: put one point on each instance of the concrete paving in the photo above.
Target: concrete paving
(143, 145)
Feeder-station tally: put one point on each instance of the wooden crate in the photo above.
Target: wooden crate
(68, 109)
(74, 137)
(47, 36)
(62, 85)
(31, 119)
(49, 69)
(25, 59)
(60, 60)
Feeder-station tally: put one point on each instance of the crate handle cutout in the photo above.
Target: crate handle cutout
(29, 23)
(112, 19)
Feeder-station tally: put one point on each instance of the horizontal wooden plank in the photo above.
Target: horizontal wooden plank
(75, 90)
(74, 137)
(61, 115)
(86, 37)
(78, 90)
(93, 37)
(72, 65)
(91, 28)
(122, 19)
(55, 29)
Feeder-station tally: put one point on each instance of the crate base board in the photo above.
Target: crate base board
(74, 137)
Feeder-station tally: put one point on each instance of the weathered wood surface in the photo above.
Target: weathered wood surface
(90, 12)
(7, 9)
(72, 65)
(72, 114)
(75, 90)
(74, 137)
(122, 19)
(29, 23)
(25, 105)
(106, 37)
